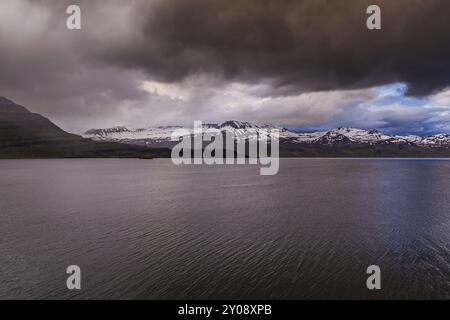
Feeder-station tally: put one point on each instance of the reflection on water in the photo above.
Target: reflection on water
(148, 229)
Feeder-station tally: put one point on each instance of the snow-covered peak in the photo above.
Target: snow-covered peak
(107, 132)
(237, 125)
(354, 135)
(437, 140)
(251, 130)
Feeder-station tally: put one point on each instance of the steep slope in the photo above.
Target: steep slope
(29, 135)
(18, 126)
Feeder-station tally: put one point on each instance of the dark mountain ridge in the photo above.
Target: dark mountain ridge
(18, 126)
(24, 134)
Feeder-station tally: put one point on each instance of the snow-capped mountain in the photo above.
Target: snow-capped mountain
(250, 130)
(439, 140)
(163, 134)
(361, 136)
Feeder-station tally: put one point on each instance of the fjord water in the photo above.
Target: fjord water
(148, 229)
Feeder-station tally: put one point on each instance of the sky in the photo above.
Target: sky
(303, 64)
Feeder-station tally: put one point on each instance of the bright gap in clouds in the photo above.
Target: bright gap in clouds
(386, 108)
(210, 100)
(392, 112)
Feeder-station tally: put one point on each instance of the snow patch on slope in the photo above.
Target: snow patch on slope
(251, 131)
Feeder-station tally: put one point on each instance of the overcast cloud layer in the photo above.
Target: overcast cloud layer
(306, 63)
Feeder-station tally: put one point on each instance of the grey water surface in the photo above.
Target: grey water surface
(147, 229)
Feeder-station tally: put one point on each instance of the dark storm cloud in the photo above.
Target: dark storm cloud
(46, 67)
(299, 45)
(145, 62)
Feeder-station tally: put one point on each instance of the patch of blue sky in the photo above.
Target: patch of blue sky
(402, 114)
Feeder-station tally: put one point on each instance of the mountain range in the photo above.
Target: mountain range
(152, 136)
(339, 142)
(24, 134)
